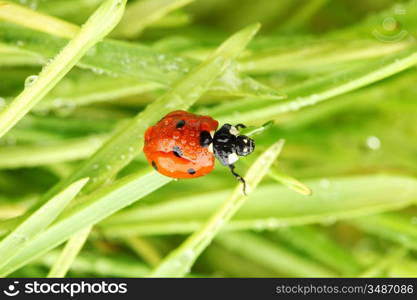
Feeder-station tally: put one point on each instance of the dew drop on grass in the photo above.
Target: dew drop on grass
(30, 80)
(95, 166)
(122, 157)
(130, 149)
(373, 143)
(324, 183)
(19, 238)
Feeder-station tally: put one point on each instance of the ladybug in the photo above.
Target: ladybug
(185, 145)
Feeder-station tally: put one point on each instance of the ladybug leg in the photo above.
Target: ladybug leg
(239, 126)
(238, 177)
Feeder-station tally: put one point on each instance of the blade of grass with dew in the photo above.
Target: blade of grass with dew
(271, 206)
(96, 27)
(13, 243)
(179, 262)
(93, 89)
(272, 255)
(123, 59)
(318, 90)
(148, 12)
(309, 58)
(86, 212)
(290, 182)
(61, 266)
(394, 227)
(13, 157)
(20, 14)
(99, 264)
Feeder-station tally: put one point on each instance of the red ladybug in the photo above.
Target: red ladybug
(184, 145)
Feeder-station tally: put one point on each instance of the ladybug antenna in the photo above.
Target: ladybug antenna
(238, 177)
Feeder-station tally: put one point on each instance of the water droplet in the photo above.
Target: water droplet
(95, 166)
(97, 71)
(92, 51)
(131, 149)
(176, 135)
(108, 167)
(30, 80)
(325, 183)
(20, 43)
(373, 143)
(19, 238)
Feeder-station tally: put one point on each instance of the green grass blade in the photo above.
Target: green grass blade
(272, 206)
(131, 60)
(290, 182)
(148, 12)
(61, 151)
(99, 264)
(69, 253)
(272, 255)
(392, 258)
(317, 244)
(87, 212)
(318, 90)
(22, 15)
(11, 245)
(178, 263)
(98, 26)
(395, 227)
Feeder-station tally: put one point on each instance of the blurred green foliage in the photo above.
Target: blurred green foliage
(347, 70)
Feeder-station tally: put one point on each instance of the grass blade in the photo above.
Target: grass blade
(87, 212)
(179, 262)
(69, 253)
(38, 221)
(131, 60)
(19, 14)
(98, 26)
(272, 206)
(272, 255)
(148, 12)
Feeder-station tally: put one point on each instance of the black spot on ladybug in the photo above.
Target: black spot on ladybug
(191, 171)
(180, 124)
(154, 165)
(177, 151)
(205, 139)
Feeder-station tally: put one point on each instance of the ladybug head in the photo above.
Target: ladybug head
(228, 145)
